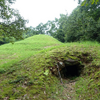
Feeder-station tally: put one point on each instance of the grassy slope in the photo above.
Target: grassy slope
(28, 77)
(12, 53)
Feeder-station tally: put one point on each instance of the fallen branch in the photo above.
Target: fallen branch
(59, 74)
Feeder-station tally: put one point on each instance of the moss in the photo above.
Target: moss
(7, 91)
(2, 71)
(30, 77)
(97, 75)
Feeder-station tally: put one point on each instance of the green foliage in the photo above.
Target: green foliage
(85, 1)
(8, 27)
(83, 24)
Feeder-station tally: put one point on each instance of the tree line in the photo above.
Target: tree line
(81, 25)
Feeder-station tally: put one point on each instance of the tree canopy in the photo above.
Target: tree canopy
(85, 2)
(82, 24)
(12, 24)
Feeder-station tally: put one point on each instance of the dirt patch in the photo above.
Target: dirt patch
(69, 91)
(47, 46)
(51, 46)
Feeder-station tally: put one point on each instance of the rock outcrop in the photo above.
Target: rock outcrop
(67, 68)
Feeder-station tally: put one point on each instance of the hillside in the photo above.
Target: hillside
(28, 70)
(12, 53)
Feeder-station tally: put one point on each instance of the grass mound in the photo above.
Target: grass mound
(31, 78)
(12, 53)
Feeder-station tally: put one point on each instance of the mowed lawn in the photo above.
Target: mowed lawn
(12, 53)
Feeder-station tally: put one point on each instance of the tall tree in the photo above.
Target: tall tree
(60, 33)
(92, 9)
(40, 28)
(52, 27)
(82, 24)
(11, 22)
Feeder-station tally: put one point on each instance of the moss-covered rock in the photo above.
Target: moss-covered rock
(69, 65)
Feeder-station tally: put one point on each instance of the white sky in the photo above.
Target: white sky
(37, 11)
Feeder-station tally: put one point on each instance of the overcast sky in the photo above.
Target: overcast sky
(37, 11)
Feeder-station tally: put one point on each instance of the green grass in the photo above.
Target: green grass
(25, 73)
(12, 53)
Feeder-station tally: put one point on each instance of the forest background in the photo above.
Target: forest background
(83, 24)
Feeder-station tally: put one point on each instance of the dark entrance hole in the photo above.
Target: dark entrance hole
(71, 69)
